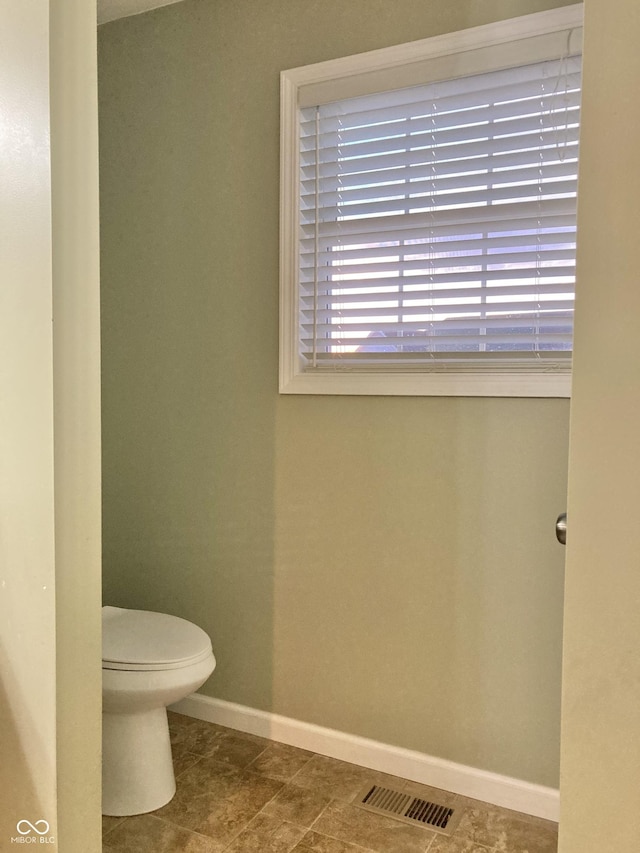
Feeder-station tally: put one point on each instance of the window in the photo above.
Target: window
(429, 215)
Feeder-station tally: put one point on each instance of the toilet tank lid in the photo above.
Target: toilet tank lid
(145, 637)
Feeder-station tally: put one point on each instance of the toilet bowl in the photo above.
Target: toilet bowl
(149, 661)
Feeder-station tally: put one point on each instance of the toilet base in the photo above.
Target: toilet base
(137, 770)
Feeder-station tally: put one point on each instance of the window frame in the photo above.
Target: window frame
(398, 61)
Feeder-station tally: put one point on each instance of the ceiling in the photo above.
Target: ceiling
(109, 10)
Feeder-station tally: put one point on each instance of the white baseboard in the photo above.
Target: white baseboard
(406, 763)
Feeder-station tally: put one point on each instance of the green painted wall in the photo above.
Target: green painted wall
(383, 566)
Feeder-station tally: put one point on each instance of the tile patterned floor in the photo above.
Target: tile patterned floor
(239, 793)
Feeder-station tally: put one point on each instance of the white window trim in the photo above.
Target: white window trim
(292, 378)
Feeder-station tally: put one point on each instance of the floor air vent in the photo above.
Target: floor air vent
(410, 809)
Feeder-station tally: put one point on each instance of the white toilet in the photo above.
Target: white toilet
(149, 661)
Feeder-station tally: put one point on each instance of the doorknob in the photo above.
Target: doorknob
(561, 528)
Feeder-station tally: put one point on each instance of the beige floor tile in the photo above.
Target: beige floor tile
(315, 842)
(282, 839)
(109, 823)
(204, 777)
(297, 805)
(280, 761)
(237, 749)
(208, 739)
(339, 779)
(498, 829)
(264, 824)
(469, 803)
(176, 720)
(152, 835)
(372, 831)
(193, 735)
(218, 801)
(182, 758)
(442, 844)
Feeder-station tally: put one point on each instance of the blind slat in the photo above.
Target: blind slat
(471, 197)
(471, 220)
(480, 159)
(549, 139)
(507, 134)
(462, 237)
(506, 102)
(511, 247)
(500, 163)
(472, 262)
(385, 304)
(392, 307)
(556, 323)
(555, 110)
(504, 305)
(431, 183)
(444, 361)
(557, 340)
(496, 86)
(429, 282)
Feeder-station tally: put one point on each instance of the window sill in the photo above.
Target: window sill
(552, 384)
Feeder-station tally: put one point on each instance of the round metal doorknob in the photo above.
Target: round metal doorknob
(561, 528)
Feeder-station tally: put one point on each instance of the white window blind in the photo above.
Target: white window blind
(437, 225)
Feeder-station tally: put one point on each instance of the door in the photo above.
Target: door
(50, 672)
(600, 759)
(27, 565)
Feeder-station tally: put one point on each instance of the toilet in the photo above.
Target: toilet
(149, 661)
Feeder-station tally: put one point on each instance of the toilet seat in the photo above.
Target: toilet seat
(141, 640)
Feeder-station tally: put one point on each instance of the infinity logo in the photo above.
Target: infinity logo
(32, 827)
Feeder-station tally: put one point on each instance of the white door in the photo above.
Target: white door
(27, 550)
(50, 673)
(600, 763)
